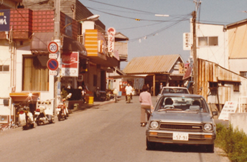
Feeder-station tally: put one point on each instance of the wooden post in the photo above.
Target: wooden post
(195, 65)
(154, 85)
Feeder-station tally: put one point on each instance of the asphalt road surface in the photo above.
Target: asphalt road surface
(105, 133)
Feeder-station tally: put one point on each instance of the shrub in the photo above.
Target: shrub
(233, 142)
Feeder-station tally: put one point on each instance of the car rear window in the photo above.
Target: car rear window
(177, 90)
(187, 104)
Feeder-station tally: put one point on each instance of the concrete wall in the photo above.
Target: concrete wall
(238, 65)
(218, 53)
(238, 120)
(5, 59)
(44, 95)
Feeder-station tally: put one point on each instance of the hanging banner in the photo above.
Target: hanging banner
(4, 20)
(111, 39)
(70, 64)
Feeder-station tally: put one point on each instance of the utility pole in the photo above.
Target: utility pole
(195, 65)
(58, 41)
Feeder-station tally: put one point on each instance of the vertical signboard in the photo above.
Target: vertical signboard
(70, 64)
(187, 41)
(4, 20)
(111, 39)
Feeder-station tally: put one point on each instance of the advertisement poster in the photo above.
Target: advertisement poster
(70, 64)
(111, 39)
(4, 20)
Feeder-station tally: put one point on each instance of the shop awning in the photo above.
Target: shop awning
(127, 76)
(70, 45)
(40, 42)
(24, 96)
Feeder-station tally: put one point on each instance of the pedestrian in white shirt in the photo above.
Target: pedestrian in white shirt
(128, 90)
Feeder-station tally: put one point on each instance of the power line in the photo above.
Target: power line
(160, 30)
(122, 7)
(140, 26)
(132, 18)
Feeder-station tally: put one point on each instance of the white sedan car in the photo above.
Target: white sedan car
(166, 90)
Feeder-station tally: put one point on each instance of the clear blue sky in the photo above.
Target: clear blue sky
(152, 35)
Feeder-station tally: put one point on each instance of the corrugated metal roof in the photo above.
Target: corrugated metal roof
(232, 25)
(151, 64)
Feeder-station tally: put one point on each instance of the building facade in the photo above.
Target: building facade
(24, 43)
(221, 55)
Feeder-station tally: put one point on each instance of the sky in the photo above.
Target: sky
(152, 35)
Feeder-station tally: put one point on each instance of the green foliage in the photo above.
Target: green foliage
(233, 142)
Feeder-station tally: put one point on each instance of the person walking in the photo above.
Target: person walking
(128, 90)
(161, 86)
(146, 105)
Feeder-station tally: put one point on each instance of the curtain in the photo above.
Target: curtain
(35, 76)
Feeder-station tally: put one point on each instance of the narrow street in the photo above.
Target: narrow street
(105, 133)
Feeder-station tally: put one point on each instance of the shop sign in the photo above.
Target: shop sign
(111, 39)
(4, 20)
(70, 64)
(229, 107)
(187, 41)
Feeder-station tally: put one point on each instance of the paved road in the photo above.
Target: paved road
(105, 133)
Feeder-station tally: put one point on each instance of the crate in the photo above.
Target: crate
(21, 34)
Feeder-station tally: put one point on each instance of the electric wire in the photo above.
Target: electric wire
(162, 29)
(122, 7)
(140, 26)
(132, 18)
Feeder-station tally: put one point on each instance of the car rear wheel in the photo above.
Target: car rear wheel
(150, 145)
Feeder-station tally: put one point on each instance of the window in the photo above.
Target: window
(207, 41)
(236, 87)
(35, 74)
(202, 41)
(243, 73)
(213, 41)
(213, 86)
(4, 67)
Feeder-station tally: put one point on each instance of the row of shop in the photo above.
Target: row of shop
(85, 58)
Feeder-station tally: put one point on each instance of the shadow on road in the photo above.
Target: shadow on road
(180, 148)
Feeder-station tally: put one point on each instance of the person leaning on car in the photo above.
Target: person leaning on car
(146, 105)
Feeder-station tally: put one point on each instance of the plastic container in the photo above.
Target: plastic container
(90, 100)
(120, 93)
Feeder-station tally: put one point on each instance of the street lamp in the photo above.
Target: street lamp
(91, 18)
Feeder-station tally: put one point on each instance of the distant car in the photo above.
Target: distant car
(166, 90)
(181, 119)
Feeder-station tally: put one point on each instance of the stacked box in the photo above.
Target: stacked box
(21, 23)
(24, 22)
(43, 21)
